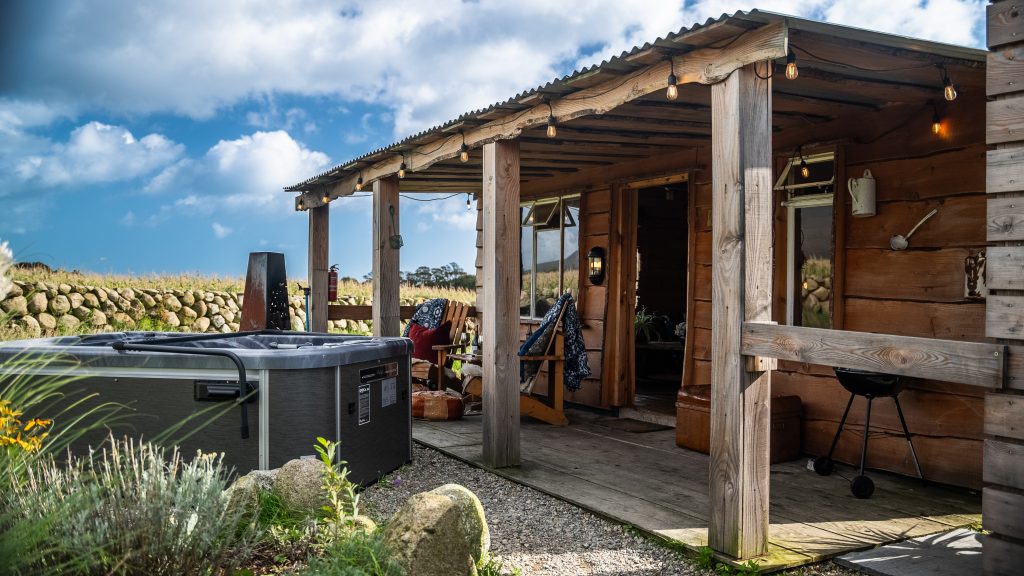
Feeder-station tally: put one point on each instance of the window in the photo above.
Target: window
(549, 253)
(809, 247)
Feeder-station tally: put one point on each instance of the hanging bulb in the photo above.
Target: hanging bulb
(948, 90)
(469, 198)
(791, 70)
(401, 170)
(301, 205)
(464, 153)
(805, 171)
(326, 198)
(359, 184)
(936, 123)
(552, 127)
(673, 91)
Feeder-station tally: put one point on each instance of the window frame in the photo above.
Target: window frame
(533, 230)
(809, 201)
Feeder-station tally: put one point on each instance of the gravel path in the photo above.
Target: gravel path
(539, 534)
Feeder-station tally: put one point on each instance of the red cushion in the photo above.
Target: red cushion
(424, 339)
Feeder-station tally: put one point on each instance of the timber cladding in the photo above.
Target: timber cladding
(1003, 503)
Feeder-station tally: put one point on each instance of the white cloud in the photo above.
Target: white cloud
(450, 213)
(98, 153)
(220, 231)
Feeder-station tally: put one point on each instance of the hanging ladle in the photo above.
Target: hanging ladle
(899, 242)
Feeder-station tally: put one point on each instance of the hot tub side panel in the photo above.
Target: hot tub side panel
(301, 407)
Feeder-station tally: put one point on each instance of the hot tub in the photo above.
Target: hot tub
(297, 386)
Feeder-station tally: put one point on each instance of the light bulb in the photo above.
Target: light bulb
(326, 199)
(300, 205)
(552, 127)
(359, 184)
(401, 170)
(948, 90)
(805, 171)
(468, 203)
(464, 153)
(791, 70)
(673, 91)
(936, 124)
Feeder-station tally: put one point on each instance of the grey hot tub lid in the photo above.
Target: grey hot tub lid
(255, 350)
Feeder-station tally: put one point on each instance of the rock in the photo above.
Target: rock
(137, 311)
(188, 298)
(218, 300)
(123, 320)
(363, 523)
(98, 319)
(225, 329)
(234, 326)
(299, 485)
(128, 293)
(213, 309)
(113, 294)
(171, 302)
(17, 306)
(810, 284)
(439, 532)
(59, 305)
(147, 300)
(218, 321)
(228, 315)
(76, 299)
(821, 293)
(37, 303)
(31, 326)
(232, 305)
(363, 327)
(170, 318)
(47, 322)
(297, 324)
(200, 308)
(64, 288)
(208, 297)
(244, 493)
(202, 324)
(101, 294)
(82, 313)
(91, 300)
(67, 323)
(188, 315)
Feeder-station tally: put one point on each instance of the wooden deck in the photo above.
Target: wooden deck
(643, 479)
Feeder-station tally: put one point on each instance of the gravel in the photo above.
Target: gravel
(538, 534)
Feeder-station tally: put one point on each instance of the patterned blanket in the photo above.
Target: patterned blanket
(576, 366)
(428, 315)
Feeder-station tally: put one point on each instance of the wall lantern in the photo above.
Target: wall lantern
(595, 264)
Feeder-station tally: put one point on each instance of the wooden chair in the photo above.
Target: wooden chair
(456, 313)
(548, 408)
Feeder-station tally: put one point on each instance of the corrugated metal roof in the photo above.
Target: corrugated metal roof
(673, 41)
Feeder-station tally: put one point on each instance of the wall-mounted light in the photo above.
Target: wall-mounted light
(673, 91)
(791, 70)
(974, 272)
(552, 122)
(595, 265)
(463, 150)
(948, 90)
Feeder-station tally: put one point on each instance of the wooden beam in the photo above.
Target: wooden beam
(1005, 24)
(365, 312)
(1004, 267)
(501, 303)
(319, 239)
(741, 291)
(974, 363)
(703, 66)
(386, 280)
(1004, 417)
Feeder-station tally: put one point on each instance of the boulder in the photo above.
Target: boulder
(202, 324)
(37, 303)
(218, 300)
(17, 306)
(244, 493)
(440, 532)
(170, 318)
(15, 290)
(234, 326)
(299, 485)
(31, 326)
(187, 314)
(199, 308)
(46, 321)
(101, 294)
(91, 300)
(297, 324)
(228, 315)
(123, 320)
(171, 302)
(213, 309)
(59, 305)
(98, 319)
(67, 323)
(187, 298)
(137, 311)
(64, 288)
(218, 321)
(147, 300)
(82, 313)
(76, 299)
(128, 293)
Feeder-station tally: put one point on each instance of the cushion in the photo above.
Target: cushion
(424, 339)
(437, 405)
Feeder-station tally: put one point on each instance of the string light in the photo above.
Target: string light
(805, 170)
(469, 198)
(401, 169)
(301, 205)
(359, 183)
(326, 198)
(791, 70)
(936, 123)
(673, 91)
(552, 122)
(948, 90)
(463, 150)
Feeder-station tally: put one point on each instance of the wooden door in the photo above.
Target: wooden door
(619, 341)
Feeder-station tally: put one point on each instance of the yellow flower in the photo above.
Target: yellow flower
(40, 422)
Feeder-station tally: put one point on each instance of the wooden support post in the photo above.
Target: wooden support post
(1003, 468)
(501, 303)
(319, 238)
(741, 291)
(386, 281)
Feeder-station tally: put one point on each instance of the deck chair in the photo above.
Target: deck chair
(456, 313)
(547, 408)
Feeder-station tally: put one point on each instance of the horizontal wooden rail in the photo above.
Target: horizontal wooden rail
(365, 311)
(974, 363)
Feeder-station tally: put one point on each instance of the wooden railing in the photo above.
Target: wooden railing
(974, 363)
(365, 312)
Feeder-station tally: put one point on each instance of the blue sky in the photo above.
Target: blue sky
(141, 137)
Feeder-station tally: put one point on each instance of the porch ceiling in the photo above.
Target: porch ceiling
(843, 71)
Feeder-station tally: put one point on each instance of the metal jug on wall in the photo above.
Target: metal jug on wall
(862, 190)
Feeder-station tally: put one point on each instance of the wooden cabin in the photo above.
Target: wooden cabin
(604, 159)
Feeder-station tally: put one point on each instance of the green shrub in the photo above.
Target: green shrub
(132, 509)
(357, 554)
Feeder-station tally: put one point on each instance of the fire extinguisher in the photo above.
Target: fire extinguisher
(332, 283)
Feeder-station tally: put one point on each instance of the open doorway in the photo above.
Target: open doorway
(661, 265)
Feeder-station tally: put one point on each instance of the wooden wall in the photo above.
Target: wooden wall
(1003, 501)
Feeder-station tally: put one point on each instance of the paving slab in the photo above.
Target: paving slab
(953, 553)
